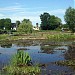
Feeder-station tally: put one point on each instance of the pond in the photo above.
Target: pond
(43, 52)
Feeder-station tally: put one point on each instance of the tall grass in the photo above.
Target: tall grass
(61, 37)
(3, 36)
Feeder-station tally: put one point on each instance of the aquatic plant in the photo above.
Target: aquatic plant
(21, 65)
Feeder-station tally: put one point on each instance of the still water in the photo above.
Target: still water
(42, 52)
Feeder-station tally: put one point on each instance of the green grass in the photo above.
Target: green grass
(51, 35)
(3, 36)
(61, 37)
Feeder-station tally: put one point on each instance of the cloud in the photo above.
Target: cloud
(11, 8)
(19, 12)
(1, 15)
(58, 11)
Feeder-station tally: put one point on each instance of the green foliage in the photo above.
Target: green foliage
(70, 18)
(49, 22)
(20, 65)
(25, 26)
(21, 58)
(17, 23)
(2, 23)
(54, 22)
(61, 37)
(65, 26)
(26, 70)
(3, 36)
(45, 17)
(5, 23)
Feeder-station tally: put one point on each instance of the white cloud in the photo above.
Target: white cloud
(58, 11)
(19, 13)
(1, 15)
(11, 8)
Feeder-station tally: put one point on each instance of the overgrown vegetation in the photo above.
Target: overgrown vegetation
(25, 26)
(70, 63)
(61, 37)
(70, 18)
(21, 65)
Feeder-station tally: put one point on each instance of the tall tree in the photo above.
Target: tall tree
(70, 18)
(17, 23)
(54, 22)
(49, 22)
(25, 26)
(2, 23)
(7, 24)
(45, 18)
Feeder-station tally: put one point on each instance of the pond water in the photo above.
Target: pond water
(41, 51)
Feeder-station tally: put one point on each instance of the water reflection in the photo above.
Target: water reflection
(42, 51)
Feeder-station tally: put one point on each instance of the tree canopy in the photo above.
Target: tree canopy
(49, 22)
(2, 21)
(25, 26)
(5, 23)
(70, 18)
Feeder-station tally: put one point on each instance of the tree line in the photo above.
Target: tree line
(48, 22)
(51, 22)
(5, 24)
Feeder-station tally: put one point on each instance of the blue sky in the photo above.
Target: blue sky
(31, 9)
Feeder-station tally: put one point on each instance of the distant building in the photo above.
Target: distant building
(36, 27)
(13, 26)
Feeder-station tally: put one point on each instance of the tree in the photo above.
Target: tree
(54, 22)
(49, 22)
(2, 23)
(17, 23)
(70, 18)
(25, 26)
(45, 18)
(7, 24)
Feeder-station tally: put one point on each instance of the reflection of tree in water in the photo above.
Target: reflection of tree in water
(70, 54)
(6, 44)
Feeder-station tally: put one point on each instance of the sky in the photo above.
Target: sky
(32, 9)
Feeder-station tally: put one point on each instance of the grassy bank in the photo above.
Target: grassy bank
(50, 35)
(61, 37)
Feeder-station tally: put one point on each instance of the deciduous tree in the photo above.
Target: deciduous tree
(25, 26)
(70, 18)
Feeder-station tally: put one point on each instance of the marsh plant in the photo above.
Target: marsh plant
(61, 37)
(21, 65)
